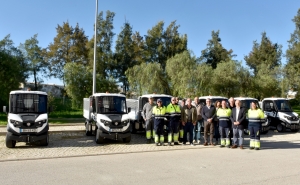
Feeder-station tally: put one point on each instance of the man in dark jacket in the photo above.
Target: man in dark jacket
(208, 114)
(238, 117)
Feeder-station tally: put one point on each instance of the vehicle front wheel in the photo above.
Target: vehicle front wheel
(127, 139)
(10, 143)
(99, 139)
(280, 127)
(45, 142)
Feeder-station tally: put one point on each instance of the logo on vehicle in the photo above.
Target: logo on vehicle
(28, 124)
(116, 123)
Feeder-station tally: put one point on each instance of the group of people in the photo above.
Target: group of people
(219, 120)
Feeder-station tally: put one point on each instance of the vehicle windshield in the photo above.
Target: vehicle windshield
(165, 100)
(247, 103)
(28, 103)
(111, 105)
(283, 105)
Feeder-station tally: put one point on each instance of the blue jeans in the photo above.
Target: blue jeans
(240, 133)
(189, 127)
(197, 130)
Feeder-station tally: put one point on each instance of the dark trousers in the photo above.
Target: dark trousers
(216, 131)
(159, 126)
(208, 127)
(189, 127)
(254, 132)
(173, 127)
(224, 132)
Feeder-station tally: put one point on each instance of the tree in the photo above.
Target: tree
(69, 46)
(181, 70)
(33, 55)
(160, 44)
(13, 69)
(79, 83)
(215, 52)
(146, 78)
(264, 52)
(292, 68)
(124, 56)
(104, 58)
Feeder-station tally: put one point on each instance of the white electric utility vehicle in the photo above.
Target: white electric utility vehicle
(27, 119)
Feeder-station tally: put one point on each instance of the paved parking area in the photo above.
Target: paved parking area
(72, 141)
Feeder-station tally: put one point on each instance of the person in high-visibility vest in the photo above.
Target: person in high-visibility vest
(256, 117)
(174, 114)
(159, 113)
(223, 115)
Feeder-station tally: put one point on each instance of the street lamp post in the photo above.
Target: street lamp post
(95, 45)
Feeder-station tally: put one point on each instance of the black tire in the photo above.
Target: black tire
(99, 139)
(295, 130)
(280, 127)
(127, 139)
(45, 142)
(87, 128)
(10, 143)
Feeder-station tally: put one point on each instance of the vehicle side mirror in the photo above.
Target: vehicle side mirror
(4, 109)
(129, 109)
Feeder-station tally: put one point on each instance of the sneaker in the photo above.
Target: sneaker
(162, 144)
(198, 142)
(194, 141)
(192, 144)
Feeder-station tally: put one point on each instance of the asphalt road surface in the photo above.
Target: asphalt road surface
(277, 163)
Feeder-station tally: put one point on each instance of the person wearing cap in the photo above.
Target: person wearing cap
(159, 113)
(189, 119)
(147, 116)
(174, 114)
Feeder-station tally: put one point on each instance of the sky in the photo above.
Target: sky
(240, 22)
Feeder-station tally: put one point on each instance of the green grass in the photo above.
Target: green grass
(296, 108)
(67, 114)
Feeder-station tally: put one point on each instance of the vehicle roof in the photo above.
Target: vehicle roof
(156, 95)
(109, 94)
(213, 97)
(245, 98)
(28, 92)
(274, 98)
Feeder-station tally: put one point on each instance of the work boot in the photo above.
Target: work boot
(148, 141)
(176, 143)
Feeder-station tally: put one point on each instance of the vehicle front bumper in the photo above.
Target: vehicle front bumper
(28, 138)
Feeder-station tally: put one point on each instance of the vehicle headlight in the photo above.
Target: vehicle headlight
(287, 117)
(125, 122)
(41, 122)
(15, 123)
(105, 122)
